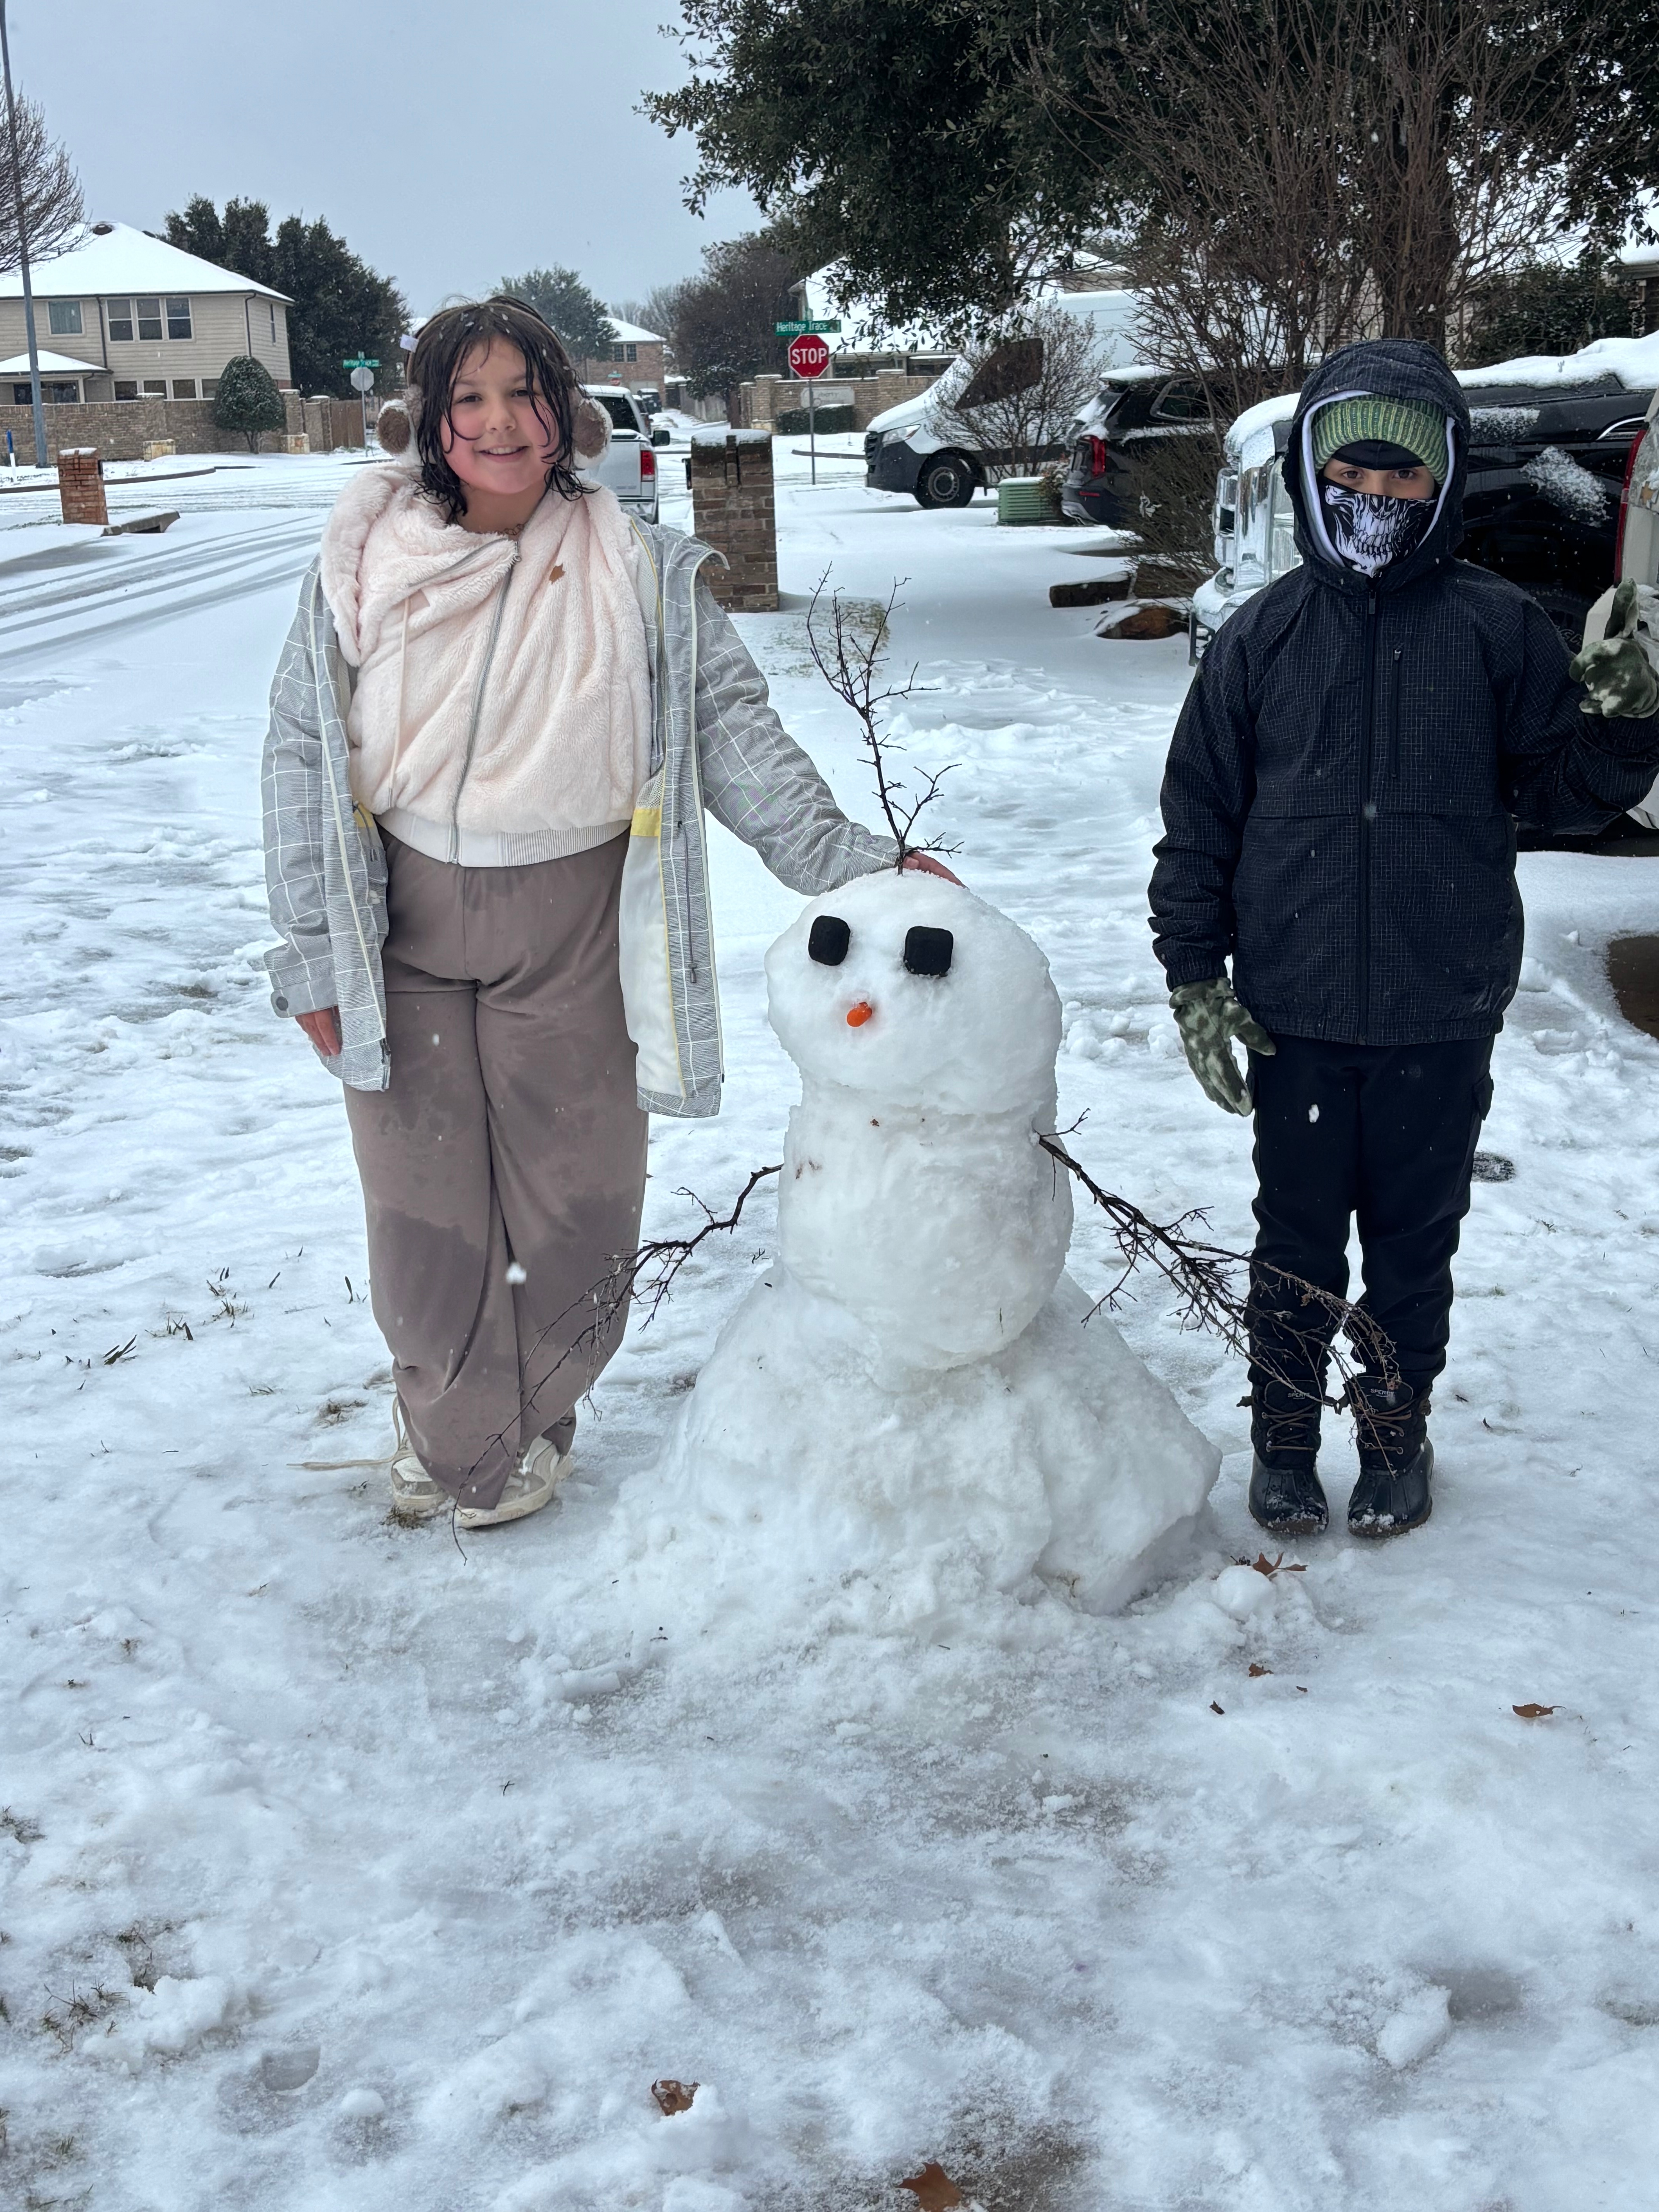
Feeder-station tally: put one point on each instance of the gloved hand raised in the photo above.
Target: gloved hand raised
(1209, 1018)
(1615, 672)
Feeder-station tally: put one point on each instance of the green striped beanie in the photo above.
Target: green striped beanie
(1416, 424)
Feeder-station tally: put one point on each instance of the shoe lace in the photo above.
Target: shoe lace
(400, 1443)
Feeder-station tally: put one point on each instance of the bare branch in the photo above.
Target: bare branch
(52, 206)
(1205, 1278)
(847, 655)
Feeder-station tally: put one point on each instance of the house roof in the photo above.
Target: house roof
(116, 261)
(51, 364)
(631, 334)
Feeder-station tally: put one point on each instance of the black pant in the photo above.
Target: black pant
(1384, 1132)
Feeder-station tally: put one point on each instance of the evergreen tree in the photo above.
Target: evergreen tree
(340, 305)
(1550, 308)
(561, 299)
(247, 400)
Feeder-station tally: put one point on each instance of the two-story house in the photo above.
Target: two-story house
(121, 315)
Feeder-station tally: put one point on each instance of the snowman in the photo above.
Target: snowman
(907, 1419)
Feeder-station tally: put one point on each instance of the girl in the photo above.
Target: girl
(499, 716)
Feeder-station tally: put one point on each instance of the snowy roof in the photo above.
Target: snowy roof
(51, 364)
(115, 261)
(630, 333)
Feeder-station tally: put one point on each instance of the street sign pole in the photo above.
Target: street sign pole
(363, 383)
(809, 357)
(812, 427)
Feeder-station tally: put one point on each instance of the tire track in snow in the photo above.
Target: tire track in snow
(80, 605)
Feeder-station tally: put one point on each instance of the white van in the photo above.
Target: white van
(912, 448)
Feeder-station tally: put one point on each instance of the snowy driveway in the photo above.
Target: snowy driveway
(340, 1869)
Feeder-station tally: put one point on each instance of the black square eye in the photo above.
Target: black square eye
(829, 939)
(927, 952)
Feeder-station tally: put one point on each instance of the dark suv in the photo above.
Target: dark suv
(1131, 406)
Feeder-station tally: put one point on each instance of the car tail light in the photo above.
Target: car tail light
(647, 463)
(1096, 457)
(1644, 440)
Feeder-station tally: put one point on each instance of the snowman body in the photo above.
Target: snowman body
(915, 1412)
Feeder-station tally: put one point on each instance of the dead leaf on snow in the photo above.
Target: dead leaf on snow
(1264, 1566)
(934, 2190)
(1534, 1712)
(1257, 1668)
(1215, 1708)
(675, 2096)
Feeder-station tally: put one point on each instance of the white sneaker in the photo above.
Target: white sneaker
(529, 1487)
(416, 1495)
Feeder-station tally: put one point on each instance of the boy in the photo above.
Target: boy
(1337, 811)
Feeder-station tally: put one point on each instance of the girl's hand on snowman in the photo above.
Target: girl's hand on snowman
(1616, 673)
(323, 1028)
(923, 864)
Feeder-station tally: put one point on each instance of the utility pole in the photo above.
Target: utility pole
(23, 251)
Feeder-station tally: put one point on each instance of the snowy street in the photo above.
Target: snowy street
(345, 1866)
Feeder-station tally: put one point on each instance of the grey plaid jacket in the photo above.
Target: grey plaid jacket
(716, 743)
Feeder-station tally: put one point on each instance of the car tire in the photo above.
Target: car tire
(946, 480)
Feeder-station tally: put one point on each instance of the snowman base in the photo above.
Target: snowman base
(805, 1476)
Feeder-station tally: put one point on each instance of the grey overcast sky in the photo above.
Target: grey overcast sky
(448, 144)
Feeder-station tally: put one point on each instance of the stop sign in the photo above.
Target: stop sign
(808, 356)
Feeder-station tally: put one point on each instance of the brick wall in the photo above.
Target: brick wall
(763, 399)
(121, 428)
(732, 510)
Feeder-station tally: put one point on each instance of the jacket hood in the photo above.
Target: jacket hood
(1397, 368)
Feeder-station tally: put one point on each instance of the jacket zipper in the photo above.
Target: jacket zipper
(1367, 810)
(478, 707)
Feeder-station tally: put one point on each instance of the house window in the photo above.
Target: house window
(51, 395)
(184, 387)
(622, 353)
(271, 304)
(155, 387)
(120, 320)
(210, 387)
(179, 318)
(64, 318)
(126, 387)
(149, 317)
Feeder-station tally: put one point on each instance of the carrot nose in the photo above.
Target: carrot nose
(857, 1016)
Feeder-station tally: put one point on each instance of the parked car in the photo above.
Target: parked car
(1636, 559)
(1132, 406)
(650, 401)
(1547, 457)
(918, 447)
(628, 463)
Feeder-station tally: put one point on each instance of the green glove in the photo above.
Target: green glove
(1209, 1018)
(1616, 673)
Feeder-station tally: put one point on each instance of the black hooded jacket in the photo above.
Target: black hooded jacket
(1339, 789)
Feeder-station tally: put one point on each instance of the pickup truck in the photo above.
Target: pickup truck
(628, 463)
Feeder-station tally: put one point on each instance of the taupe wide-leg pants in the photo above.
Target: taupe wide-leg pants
(510, 1140)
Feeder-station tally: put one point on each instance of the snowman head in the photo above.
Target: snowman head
(908, 989)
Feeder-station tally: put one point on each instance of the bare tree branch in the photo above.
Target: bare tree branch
(52, 206)
(847, 655)
(1205, 1278)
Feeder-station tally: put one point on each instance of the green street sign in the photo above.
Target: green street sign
(363, 360)
(806, 330)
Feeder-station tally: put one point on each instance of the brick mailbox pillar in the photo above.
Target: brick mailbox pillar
(80, 485)
(732, 510)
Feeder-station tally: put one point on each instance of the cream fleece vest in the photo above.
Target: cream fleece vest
(503, 705)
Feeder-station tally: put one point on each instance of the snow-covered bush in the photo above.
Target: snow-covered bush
(247, 400)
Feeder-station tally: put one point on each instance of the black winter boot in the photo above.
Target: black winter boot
(1396, 1460)
(1285, 1497)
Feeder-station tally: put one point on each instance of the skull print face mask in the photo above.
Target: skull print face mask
(1370, 530)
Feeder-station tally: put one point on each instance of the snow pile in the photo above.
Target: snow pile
(1633, 362)
(907, 1413)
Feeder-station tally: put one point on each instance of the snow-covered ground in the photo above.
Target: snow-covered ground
(345, 1866)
